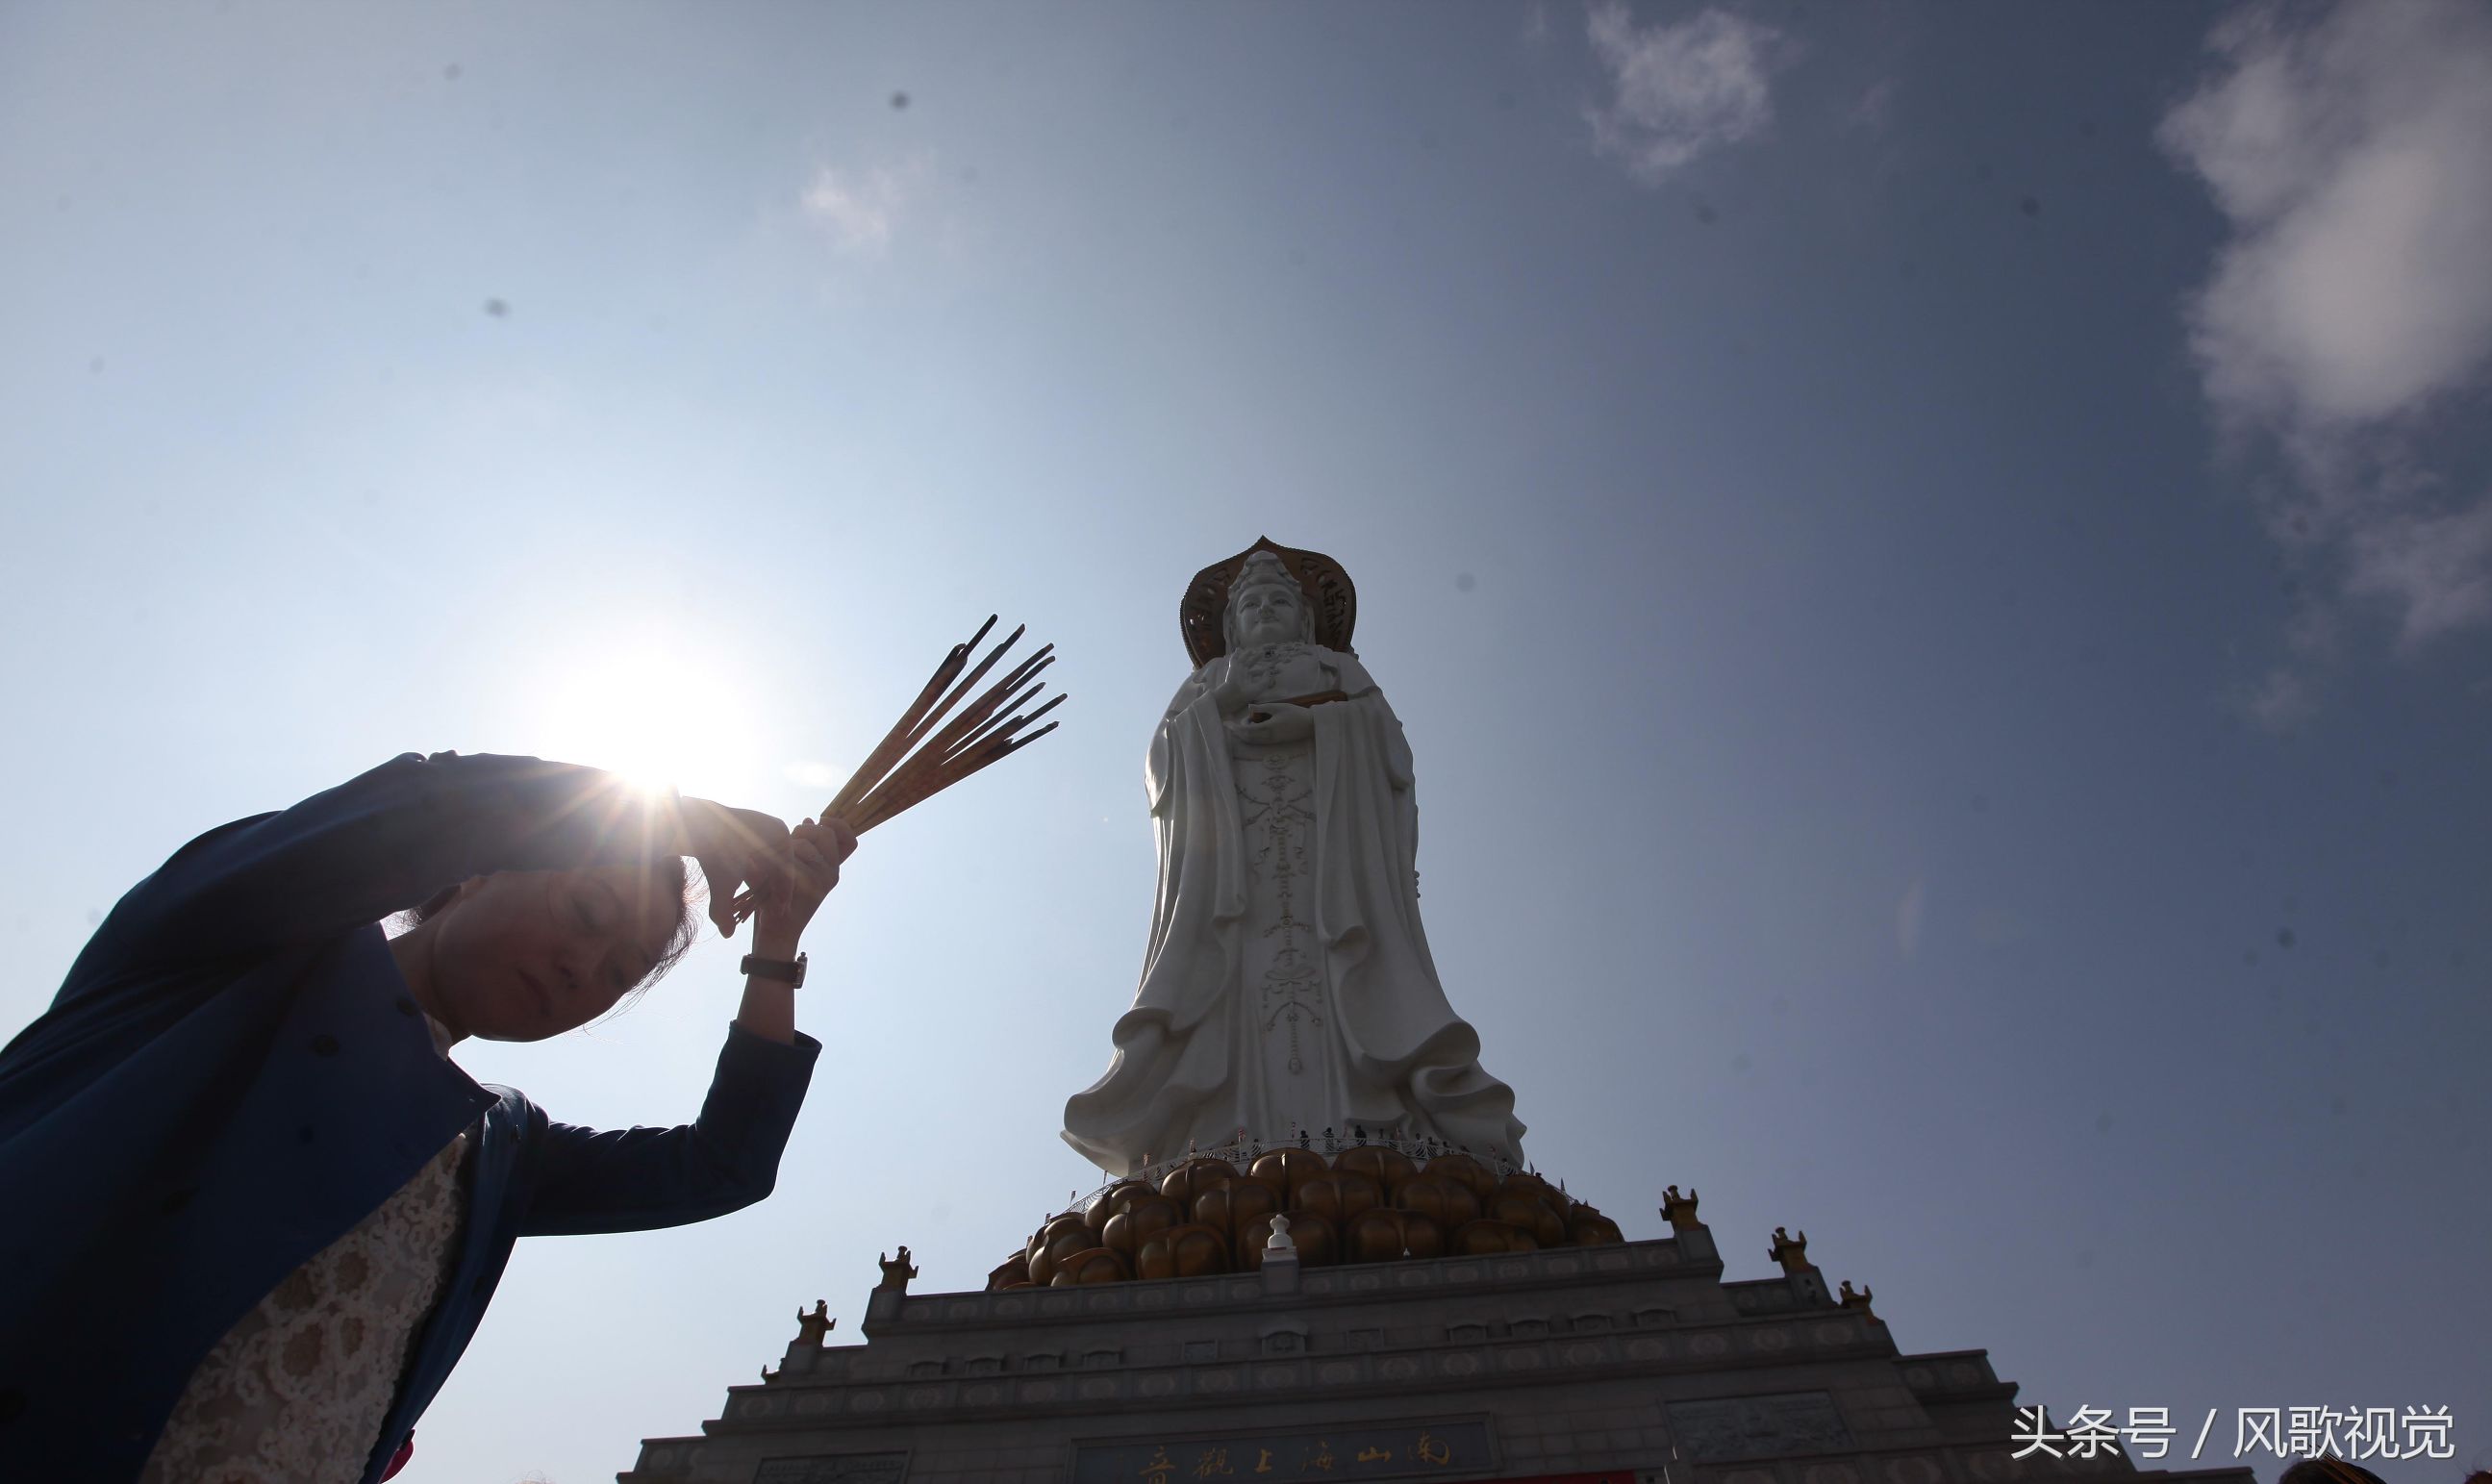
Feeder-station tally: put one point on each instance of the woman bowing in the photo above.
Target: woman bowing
(257, 1210)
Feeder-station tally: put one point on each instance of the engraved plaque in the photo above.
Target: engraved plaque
(1759, 1426)
(834, 1468)
(1449, 1447)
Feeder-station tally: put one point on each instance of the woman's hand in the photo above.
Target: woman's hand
(814, 852)
(813, 855)
(735, 848)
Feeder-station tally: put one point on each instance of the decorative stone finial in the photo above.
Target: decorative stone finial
(1680, 1210)
(813, 1327)
(1279, 1240)
(895, 1271)
(1856, 1300)
(1792, 1251)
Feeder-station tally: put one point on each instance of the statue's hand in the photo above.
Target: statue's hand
(1235, 688)
(1276, 720)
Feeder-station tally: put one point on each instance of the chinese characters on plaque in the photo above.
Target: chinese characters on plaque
(1362, 1451)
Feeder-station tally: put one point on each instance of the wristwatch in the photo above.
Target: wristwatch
(756, 967)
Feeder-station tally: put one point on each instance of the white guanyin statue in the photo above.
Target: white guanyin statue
(1288, 985)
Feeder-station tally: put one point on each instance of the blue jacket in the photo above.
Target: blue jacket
(233, 1075)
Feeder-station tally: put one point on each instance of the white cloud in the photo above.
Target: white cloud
(1678, 90)
(2350, 151)
(2436, 569)
(2353, 158)
(812, 775)
(1877, 106)
(1908, 918)
(2281, 699)
(859, 209)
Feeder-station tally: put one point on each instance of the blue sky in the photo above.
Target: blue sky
(1936, 560)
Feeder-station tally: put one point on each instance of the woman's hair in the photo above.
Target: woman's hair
(679, 942)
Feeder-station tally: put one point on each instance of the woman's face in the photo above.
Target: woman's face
(524, 955)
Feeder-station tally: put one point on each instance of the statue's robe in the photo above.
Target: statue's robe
(1197, 1057)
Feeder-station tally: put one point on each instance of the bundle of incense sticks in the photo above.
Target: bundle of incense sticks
(925, 753)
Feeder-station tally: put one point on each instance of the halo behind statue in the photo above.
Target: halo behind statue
(1331, 596)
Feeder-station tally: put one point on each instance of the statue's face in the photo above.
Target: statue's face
(1268, 613)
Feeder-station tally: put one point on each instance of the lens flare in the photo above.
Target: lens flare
(652, 717)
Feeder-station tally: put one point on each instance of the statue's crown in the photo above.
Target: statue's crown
(1262, 569)
(1323, 588)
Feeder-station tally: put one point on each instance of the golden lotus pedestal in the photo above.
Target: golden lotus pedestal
(1367, 1204)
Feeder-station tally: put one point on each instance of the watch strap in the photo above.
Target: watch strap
(756, 966)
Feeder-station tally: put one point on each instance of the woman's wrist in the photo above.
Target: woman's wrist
(771, 942)
(769, 1005)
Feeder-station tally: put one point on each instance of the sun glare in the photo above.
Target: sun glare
(653, 716)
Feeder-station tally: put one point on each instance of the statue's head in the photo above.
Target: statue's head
(1266, 606)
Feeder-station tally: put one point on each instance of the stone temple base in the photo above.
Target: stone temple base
(1627, 1363)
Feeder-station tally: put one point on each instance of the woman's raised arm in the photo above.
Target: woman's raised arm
(385, 841)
